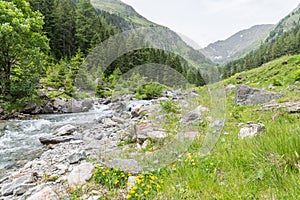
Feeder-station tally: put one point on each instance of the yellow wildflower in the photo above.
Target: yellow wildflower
(132, 191)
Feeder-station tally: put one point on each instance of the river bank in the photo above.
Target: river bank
(52, 146)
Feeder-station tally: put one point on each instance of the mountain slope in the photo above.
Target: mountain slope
(283, 40)
(286, 24)
(123, 10)
(235, 46)
(132, 19)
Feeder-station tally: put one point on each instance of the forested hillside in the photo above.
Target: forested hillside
(50, 48)
(283, 40)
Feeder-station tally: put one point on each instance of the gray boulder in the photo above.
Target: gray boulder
(55, 140)
(194, 115)
(76, 156)
(65, 130)
(69, 106)
(252, 96)
(251, 130)
(87, 104)
(29, 108)
(1, 111)
(230, 87)
(81, 174)
(148, 131)
(18, 186)
(46, 194)
(46, 109)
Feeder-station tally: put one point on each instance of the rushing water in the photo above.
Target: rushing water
(19, 139)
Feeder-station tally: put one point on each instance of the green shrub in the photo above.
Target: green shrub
(150, 91)
(102, 92)
(276, 82)
(169, 106)
(297, 75)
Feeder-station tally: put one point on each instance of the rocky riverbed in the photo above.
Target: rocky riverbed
(64, 153)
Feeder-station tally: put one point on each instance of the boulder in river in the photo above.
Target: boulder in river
(29, 108)
(55, 140)
(65, 130)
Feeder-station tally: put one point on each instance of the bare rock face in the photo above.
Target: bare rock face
(246, 95)
(251, 130)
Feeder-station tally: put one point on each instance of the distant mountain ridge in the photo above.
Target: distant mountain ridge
(237, 45)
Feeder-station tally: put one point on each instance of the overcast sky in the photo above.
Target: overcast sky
(206, 21)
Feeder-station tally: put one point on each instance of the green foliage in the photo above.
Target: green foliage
(75, 194)
(70, 27)
(264, 76)
(90, 29)
(297, 75)
(276, 82)
(114, 77)
(48, 178)
(110, 178)
(23, 45)
(169, 106)
(150, 91)
(241, 169)
(102, 92)
(146, 185)
(63, 74)
(129, 85)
